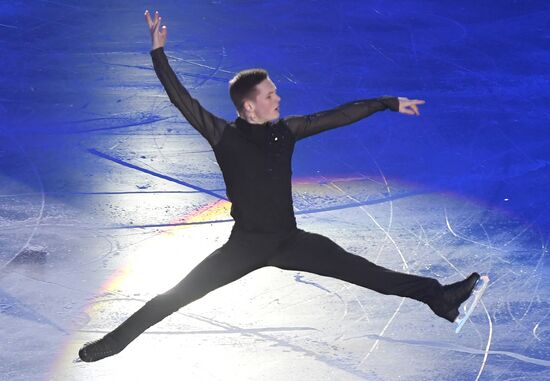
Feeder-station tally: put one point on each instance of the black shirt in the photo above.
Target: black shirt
(255, 159)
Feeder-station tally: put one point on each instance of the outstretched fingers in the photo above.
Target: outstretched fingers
(153, 23)
(410, 106)
(157, 21)
(148, 19)
(415, 103)
(158, 34)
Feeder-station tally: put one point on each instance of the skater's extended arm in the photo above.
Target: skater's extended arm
(209, 125)
(307, 125)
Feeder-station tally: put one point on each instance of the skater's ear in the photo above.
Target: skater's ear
(248, 105)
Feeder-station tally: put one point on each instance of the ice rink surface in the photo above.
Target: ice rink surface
(108, 196)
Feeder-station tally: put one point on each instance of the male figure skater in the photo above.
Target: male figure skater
(254, 153)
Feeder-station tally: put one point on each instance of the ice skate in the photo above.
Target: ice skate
(99, 349)
(452, 296)
(480, 288)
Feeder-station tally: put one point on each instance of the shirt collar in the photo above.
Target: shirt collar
(246, 126)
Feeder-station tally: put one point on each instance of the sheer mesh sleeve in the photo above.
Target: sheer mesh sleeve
(307, 125)
(207, 124)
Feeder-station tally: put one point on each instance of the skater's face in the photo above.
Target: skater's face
(265, 106)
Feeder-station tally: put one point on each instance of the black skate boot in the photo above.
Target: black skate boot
(452, 296)
(99, 349)
(115, 341)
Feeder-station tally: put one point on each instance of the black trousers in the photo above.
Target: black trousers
(295, 250)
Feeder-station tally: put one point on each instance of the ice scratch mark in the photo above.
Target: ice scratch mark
(122, 227)
(164, 225)
(340, 364)
(106, 193)
(388, 236)
(289, 79)
(363, 309)
(388, 189)
(518, 235)
(536, 327)
(300, 279)
(42, 206)
(358, 203)
(381, 335)
(405, 264)
(216, 69)
(199, 64)
(9, 26)
(229, 331)
(489, 341)
(65, 5)
(463, 349)
(142, 122)
(93, 151)
(14, 307)
(486, 234)
(385, 231)
(465, 238)
(381, 53)
(205, 77)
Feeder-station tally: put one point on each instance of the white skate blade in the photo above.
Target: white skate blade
(477, 294)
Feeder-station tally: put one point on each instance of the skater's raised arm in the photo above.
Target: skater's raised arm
(307, 125)
(206, 123)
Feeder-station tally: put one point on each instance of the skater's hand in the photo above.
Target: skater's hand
(409, 106)
(158, 34)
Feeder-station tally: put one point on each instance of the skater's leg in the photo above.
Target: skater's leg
(318, 254)
(223, 266)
